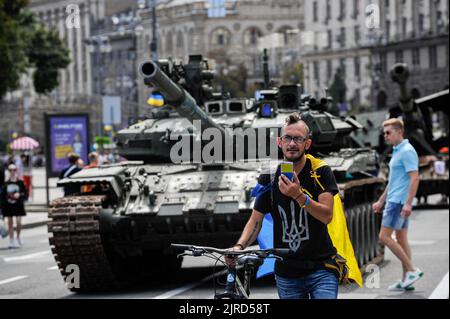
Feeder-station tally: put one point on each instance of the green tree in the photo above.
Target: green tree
(338, 91)
(25, 44)
(234, 81)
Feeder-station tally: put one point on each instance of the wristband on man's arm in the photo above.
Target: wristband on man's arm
(239, 245)
(307, 200)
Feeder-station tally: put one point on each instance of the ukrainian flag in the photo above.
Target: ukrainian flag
(156, 100)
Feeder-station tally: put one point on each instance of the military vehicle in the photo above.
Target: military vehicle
(417, 117)
(354, 166)
(120, 231)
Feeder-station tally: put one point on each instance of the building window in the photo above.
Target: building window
(287, 33)
(180, 44)
(357, 35)
(330, 39)
(316, 71)
(329, 69)
(342, 38)
(416, 57)
(328, 17)
(169, 44)
(404, 26)
(342, 10)
(357, 68)
(388, 30)
(315, 11)
(220, 37)
(399, 56)
(355, 9)
(440, 23)
(251, 36)
(421, 24)
(342, 68)
(433, 57)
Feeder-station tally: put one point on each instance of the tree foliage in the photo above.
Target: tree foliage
(338, 91)
(234, 82)
(26, 44)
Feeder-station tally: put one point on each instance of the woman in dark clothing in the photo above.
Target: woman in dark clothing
(13, 195)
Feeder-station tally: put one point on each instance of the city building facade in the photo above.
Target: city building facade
(77, 22)
(363, 39)
(227, 32)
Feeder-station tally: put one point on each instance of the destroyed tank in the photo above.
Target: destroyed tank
(419, 130)
(354, 166)
(119, 231)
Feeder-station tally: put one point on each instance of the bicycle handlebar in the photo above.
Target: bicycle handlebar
(200, 250)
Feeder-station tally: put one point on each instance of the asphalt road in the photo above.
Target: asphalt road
(31, 272)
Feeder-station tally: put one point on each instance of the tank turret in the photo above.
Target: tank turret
(185, 88)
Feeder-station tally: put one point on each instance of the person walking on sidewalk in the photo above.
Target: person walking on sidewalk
(71, 169)
(403, 183)
(13, 195)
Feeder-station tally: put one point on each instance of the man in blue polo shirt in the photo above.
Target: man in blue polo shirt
(398, 196)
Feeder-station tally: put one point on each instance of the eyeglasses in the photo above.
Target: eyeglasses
(12, 170)
(297, 139)
(387, 133)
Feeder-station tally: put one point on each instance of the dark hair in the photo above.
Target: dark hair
(295, 118)
(73, 158)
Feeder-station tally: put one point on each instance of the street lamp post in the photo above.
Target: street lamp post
(154, 41)
(153, 44)
(99, 45)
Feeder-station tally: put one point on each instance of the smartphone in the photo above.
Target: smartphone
(287, 169)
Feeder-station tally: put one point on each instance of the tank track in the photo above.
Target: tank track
(363, 224)
(74, 223)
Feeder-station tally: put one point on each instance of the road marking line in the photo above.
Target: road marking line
(422, 242)
(6, 281)
(183, 289)
(441, 291)
(25, 257)
(53, 268)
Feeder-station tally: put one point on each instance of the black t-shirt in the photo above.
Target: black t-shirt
(294, 227)
(9, 203)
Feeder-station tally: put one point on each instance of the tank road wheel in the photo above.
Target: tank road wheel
(76, 242)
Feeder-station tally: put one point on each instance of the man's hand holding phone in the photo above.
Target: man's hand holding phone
(288, 181)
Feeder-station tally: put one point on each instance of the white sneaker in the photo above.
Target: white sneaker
(411, 277)
(398, 286)
(19, 241)
(13, 244)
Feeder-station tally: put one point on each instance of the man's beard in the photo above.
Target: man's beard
(297, 157)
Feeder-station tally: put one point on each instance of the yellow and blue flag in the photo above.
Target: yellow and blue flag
(155, 99)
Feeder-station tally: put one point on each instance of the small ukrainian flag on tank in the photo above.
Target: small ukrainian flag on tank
(155, 99)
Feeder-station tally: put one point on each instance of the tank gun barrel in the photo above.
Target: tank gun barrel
(400, 74)
(175, 95)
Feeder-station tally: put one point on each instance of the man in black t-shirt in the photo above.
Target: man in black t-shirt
(301, 211)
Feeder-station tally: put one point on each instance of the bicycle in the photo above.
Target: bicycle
(248, 259)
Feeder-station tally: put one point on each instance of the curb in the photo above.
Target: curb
(36, 208)
(34, 224)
